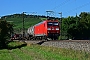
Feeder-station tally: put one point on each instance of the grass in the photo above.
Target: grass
(37, 52)
(27, 22)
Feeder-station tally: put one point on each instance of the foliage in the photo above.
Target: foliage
(5, 32)
(77, 27)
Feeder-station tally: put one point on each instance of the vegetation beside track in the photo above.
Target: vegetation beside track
(16, 44)
(37, 52)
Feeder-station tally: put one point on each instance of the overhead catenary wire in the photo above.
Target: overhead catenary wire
(77, 8)
(61, 4)
(58, 6)
(69, 11)
(72, 10)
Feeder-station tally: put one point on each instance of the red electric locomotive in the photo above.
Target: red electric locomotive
(46, 29)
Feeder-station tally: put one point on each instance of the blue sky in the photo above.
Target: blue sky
(67, 7)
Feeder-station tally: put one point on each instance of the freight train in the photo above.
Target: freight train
(45, 29)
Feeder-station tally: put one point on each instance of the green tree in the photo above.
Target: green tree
(5, 32)
(70, 26)
(77, 27)
(85, 24)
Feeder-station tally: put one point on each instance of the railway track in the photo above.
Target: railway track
(42, 41)
(78, 41)
(83, 45)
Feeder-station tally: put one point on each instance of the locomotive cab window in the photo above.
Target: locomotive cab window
(53, 23)
(49, 23)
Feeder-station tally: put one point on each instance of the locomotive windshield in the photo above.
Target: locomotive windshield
(52, 24)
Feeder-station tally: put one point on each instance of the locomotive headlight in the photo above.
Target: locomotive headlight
(57, 28)
(49, 28)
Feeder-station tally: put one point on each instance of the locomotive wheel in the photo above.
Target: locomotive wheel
(45, 37)
(40, 38)
(56, 38)
(51, 38)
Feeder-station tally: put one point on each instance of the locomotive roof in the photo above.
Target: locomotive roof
(40, 23)
(46, 21)
(52, 20)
